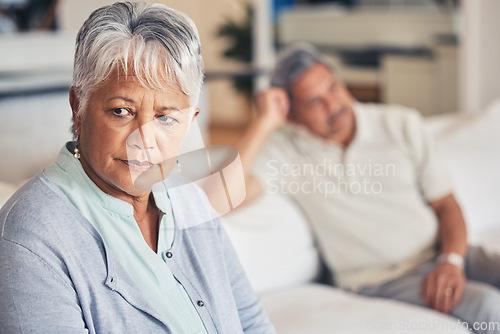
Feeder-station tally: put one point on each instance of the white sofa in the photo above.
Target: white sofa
(282, 262)
(272, 236)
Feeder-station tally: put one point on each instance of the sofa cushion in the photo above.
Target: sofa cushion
(321, 309)
(470, 147)
(272, 239)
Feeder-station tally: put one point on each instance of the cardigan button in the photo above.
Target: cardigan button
(200, 303)
(169, 255)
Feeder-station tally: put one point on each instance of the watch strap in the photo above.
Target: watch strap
(452, 258)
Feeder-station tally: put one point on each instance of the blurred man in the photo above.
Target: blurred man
(374, 191)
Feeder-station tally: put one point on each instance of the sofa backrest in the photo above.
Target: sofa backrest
(469, 145)
(272, 239)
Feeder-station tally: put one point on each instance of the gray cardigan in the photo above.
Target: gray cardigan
(56, 275)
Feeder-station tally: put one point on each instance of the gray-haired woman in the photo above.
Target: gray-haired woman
(91, 244)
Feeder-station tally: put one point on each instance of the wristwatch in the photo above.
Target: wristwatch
(452, 258)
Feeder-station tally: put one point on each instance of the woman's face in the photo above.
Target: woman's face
(127, 131)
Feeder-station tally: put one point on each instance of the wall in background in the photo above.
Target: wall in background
(480, 52)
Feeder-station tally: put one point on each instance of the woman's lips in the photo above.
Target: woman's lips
(140, 166)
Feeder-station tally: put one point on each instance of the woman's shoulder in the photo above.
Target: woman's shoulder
(37, 195)
(37, 208)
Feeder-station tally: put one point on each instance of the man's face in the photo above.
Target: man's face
(321, 103)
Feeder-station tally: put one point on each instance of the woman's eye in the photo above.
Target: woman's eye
(121, 112)
(167, 120)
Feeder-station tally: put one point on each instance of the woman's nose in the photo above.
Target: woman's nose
(144, 137)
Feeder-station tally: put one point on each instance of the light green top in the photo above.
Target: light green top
(114, 220)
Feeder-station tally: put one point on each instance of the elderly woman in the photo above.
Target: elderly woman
(95, 243)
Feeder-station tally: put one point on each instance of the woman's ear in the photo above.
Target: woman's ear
(196, 112)
(74, 102)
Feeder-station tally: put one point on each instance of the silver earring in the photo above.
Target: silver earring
(76, 152)
(179, 169)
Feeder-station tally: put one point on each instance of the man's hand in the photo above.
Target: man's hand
(273, 106)
(442, 288)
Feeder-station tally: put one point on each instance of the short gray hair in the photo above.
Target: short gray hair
(293, 62)
(158, 44)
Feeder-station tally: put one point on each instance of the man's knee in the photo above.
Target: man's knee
(483, 266)
(480, 303)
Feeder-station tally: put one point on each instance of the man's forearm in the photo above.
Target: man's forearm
(452, 229)
(240, 183)
(252, 142)
(443, 286)
(272, 110)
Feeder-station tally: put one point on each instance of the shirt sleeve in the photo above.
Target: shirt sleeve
(34, 298)
(432, 176)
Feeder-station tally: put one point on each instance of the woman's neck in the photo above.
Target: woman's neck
(146, 215)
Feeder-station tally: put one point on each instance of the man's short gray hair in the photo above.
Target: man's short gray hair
(157, 44)
(293, 62)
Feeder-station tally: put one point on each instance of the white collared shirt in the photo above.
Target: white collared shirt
(368, 203)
